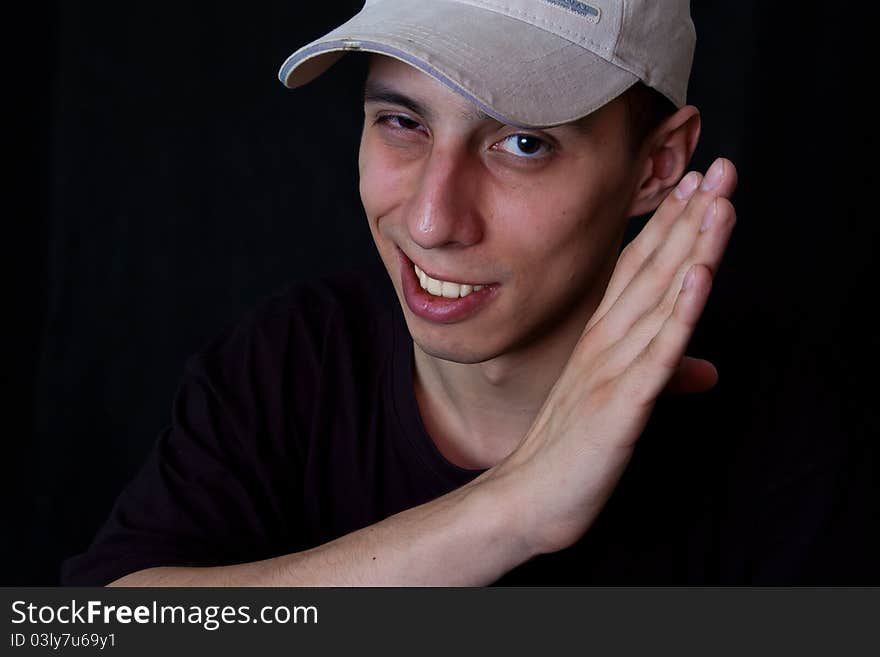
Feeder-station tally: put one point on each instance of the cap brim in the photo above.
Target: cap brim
(513, 71)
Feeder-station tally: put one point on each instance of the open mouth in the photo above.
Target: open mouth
(442, 301)
(445, 289)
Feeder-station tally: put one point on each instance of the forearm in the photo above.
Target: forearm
(470, 536)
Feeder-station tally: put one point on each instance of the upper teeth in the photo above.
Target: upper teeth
(444, 288)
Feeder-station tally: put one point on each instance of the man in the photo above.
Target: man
(483, 418)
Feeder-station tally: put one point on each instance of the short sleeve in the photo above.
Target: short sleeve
(222, 484)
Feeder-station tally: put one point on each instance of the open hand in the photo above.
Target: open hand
(569, 462)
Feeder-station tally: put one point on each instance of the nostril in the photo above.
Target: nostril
(435, 230)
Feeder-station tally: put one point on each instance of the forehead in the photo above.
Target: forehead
(395, 82)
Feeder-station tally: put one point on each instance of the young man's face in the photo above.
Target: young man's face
(535, 216)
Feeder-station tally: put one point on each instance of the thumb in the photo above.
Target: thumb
(693, 375)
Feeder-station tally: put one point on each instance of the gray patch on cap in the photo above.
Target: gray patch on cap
(577, 7)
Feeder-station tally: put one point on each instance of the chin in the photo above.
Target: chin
(455, 352)
(454, 356)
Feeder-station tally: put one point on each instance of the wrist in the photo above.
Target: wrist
(514, 520)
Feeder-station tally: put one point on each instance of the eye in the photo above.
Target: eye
(398, 122)
(526, 146)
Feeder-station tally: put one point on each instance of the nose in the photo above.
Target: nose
(443, 209)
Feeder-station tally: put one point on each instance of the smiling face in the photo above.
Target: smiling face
(534, 216)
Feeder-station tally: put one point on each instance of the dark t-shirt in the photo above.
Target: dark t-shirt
(301, 425)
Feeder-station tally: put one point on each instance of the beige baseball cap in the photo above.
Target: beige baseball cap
(526, 63)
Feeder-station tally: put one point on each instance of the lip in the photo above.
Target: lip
(440, 309)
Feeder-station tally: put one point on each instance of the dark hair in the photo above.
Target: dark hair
(647, 108)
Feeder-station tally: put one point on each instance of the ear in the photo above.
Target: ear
(664, 157)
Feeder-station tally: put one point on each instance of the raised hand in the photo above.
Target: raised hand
(571, 459)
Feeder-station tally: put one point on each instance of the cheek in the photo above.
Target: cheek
(556, 239)
(382, 182)
(366, 177)
(542, 220)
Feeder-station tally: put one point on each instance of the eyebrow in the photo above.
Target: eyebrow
(377, 92)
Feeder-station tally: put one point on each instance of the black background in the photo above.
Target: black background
(164, 181)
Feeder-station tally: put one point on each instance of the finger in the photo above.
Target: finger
(640, 249)
(658, 362)
(659, 280)
(646, 242)
(694, 375)
(708, 252)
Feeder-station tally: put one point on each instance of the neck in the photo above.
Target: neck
(478, 413)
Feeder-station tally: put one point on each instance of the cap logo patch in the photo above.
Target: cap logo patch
(581, 8)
